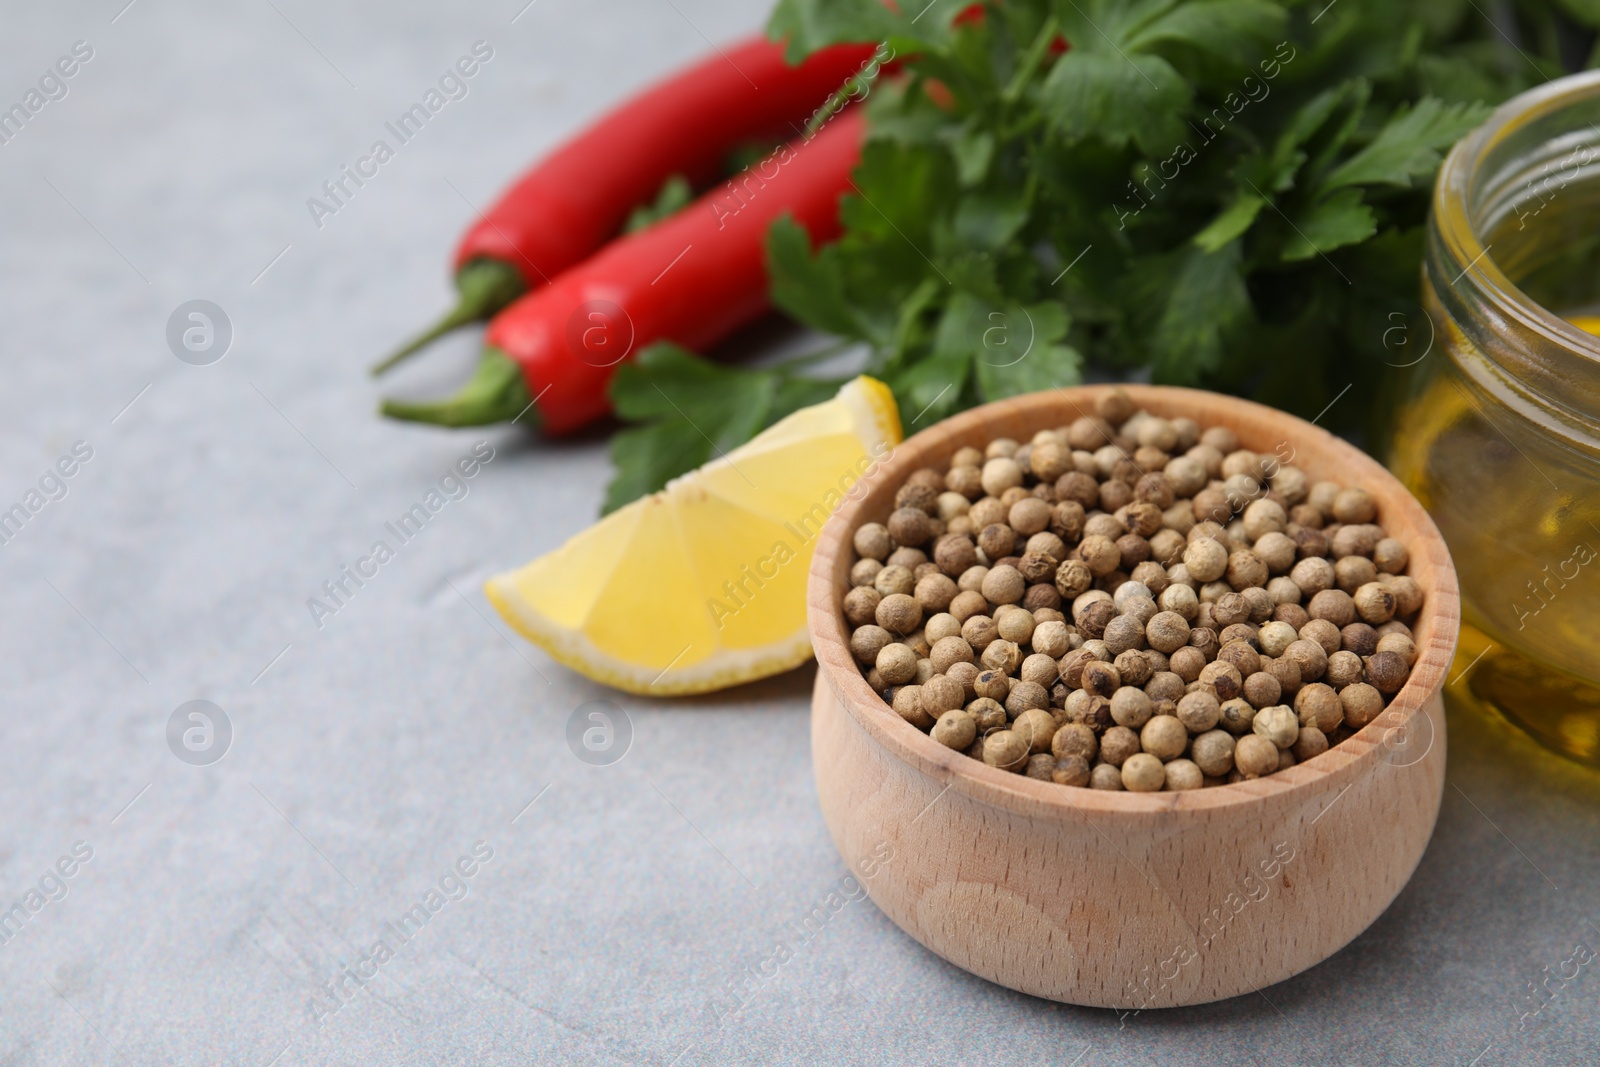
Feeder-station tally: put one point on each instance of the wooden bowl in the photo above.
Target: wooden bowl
(1115, 899)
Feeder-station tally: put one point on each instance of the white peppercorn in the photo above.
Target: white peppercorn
(1039, 669)
(1390, 556)
(1255, 756)
(1395, 626)
(864, 572)
(1283, 591)
(1052, 639)
(1123, 633)
(1223, 679)
(1003, 585)
(1399, 644)
(1100, 554)
(1334, 606)
(1074, 739)
(1015, 626)
(992, 684)
(1164, 685)
(942, 693)
(872, 541)
(1352, 572)
(907, 703)
(1311, 743)
(1276, 637)
(1105, 776)
(1277, 724)
(1344, 668)
(1206, 559)
(1181, 774)
(1164, 737)
(896, 663)
(909, 558)
(1309, 657)
(940, 626)
(1187, 663)
(1387, 671)
(968, 605)
(1134, 666)
(1029, 516)
(1025, 696)
(1100, 678)
(987, 511)
(1262, 517)
(1199, 711)
(861, 605)
(1212, 752)
(1291, 484)
(1040, 766)
(1260, 604)
(894, 579)
(966, 673)
(867, 641)
(1036, 727)
(1354, 505)
(899, 613)
(1046, 543)
(1117, 744)
(1285, 672)
(1130, 707)
(1261, 689)
(1005, 749)
(933, 592)
(988, 714)
(979, 632)
(1143, 773)
(1318, 705)
(1362, 703)
(1312, 574)
(1001, 655)
(1073, 770)
(1328, 636)
(955, 729)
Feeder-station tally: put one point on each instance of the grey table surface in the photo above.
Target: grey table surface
(368, 754)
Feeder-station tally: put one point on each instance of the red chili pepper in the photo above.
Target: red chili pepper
(578, 197)
(693, 278)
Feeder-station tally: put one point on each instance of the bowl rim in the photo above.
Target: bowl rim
(1255, 424)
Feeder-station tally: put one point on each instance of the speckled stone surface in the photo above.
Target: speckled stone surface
(627, 910)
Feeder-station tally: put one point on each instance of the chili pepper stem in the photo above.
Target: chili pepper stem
(485, 285)
(496, 392)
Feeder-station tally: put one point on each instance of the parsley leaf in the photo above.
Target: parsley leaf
(1117, 98)
(691, 410)
(1342, 219)
(1410, 146)
(674, 196)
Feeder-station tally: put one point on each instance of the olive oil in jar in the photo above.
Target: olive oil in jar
(1500, 435)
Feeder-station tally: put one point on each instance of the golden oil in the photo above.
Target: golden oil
(1499, 435)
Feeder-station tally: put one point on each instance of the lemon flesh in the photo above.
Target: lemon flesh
(702, 585)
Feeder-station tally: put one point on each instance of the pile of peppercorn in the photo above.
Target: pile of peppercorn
(1131, 603)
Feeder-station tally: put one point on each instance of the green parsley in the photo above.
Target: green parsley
(1227, 194)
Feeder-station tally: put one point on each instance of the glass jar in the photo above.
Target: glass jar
(1498, 432)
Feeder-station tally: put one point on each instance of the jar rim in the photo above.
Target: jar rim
(1457, 228)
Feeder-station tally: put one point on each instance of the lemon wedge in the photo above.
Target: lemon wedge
(702, 585)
